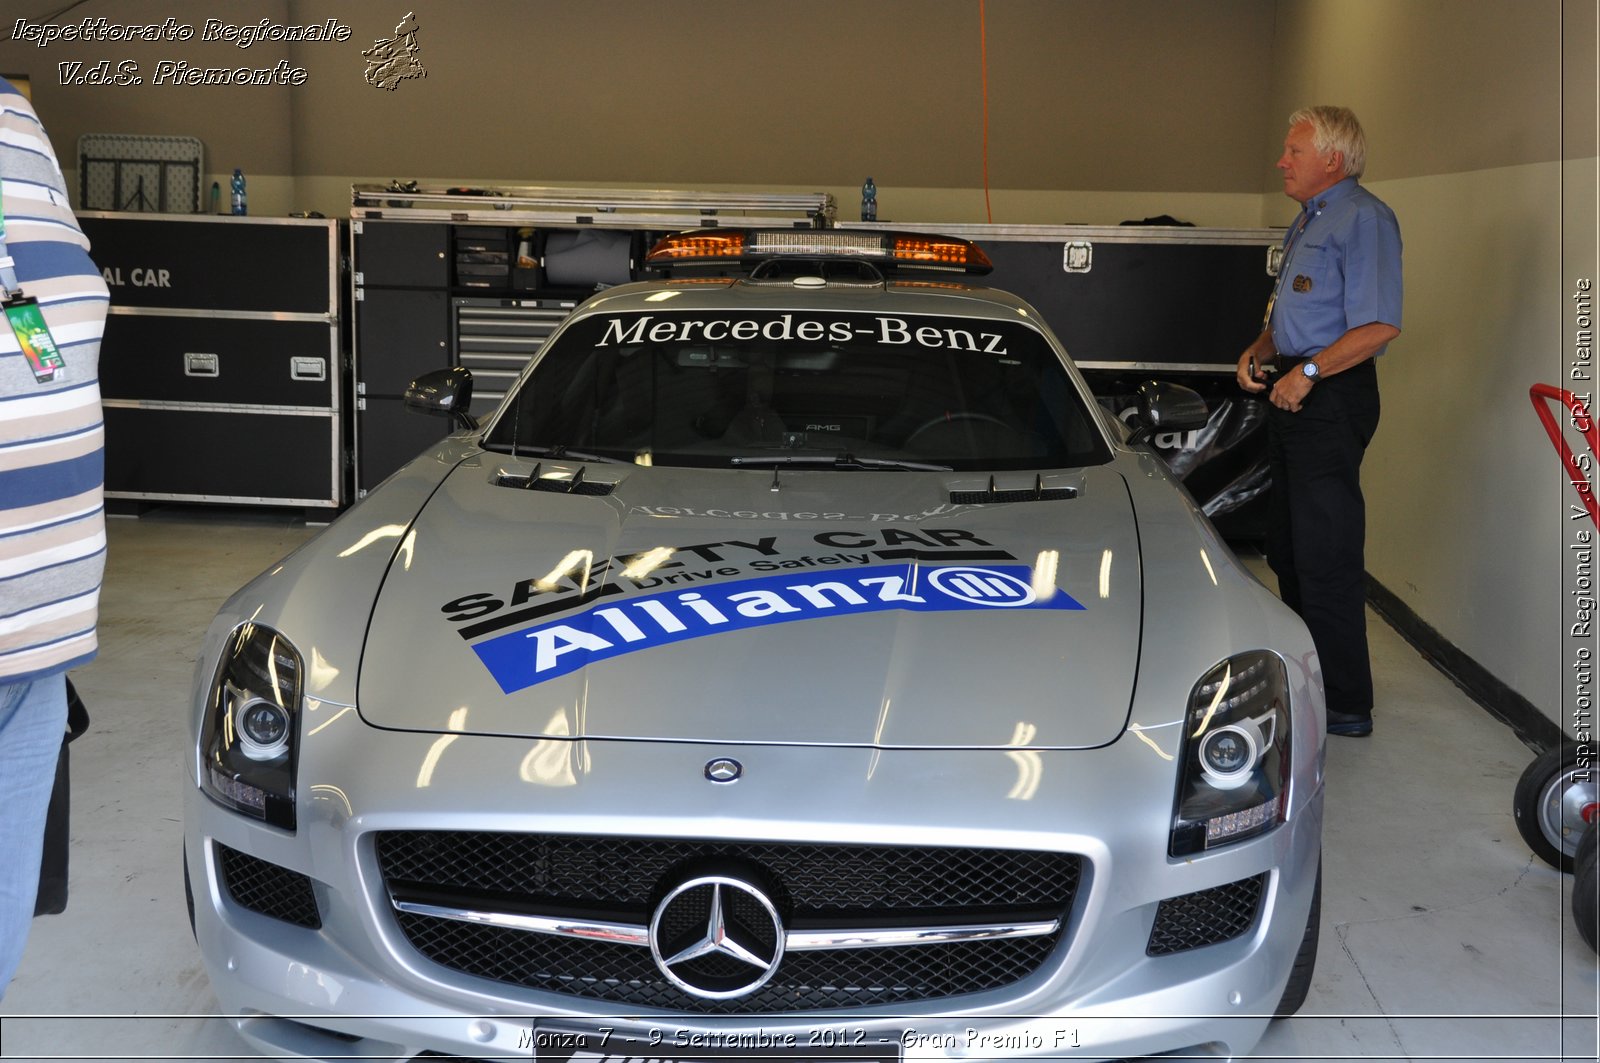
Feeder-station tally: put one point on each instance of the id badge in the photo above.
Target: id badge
(33, 336)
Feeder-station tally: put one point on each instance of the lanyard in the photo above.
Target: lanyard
(8, 266)
(1283, 267)
(27, 321)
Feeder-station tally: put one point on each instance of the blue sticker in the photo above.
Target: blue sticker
(523, 658)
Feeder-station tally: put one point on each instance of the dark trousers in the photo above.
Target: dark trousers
(1318, 526)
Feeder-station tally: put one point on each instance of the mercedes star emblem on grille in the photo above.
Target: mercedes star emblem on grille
(724, 769)
(717, 937)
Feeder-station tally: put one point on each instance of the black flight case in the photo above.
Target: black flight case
(220, 370)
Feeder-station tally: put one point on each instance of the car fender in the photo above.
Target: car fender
(327, 619)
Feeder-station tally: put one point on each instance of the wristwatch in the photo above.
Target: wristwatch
(1309, 368)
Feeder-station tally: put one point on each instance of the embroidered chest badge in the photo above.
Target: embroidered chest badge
(1302, 283)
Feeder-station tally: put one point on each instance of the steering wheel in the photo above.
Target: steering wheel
(951, 418)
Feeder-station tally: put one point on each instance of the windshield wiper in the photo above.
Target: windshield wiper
(560, 451)
(837, 461)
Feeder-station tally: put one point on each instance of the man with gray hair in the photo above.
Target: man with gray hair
(1335, 307)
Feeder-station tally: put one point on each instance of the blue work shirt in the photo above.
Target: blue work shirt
(1341, 270)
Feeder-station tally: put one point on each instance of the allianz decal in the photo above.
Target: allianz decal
(524, 658)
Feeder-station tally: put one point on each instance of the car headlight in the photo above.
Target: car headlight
(1235, 754)
(248, 742)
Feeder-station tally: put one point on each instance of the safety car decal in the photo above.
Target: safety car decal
(532, 598)
(609, 629)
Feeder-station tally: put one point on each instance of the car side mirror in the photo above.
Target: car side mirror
(1165, 407)
(443, 391)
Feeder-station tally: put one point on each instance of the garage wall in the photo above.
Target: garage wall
(1091, 116)
(1489, 166)
(238, 125)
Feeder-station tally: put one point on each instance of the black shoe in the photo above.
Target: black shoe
(1349, 724)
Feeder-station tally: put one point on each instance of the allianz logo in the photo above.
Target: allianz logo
(533, 655)
(982, 586)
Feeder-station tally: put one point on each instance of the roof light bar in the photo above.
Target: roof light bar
(906, 250)
(939, 251)
(699, 245)
(812, 242)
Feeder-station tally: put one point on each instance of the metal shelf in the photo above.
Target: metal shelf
(632, 208)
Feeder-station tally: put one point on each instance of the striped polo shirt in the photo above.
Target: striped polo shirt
(52, 449)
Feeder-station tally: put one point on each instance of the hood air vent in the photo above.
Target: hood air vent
(561, 485)
(1037, 493)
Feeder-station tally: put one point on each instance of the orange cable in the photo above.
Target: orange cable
(983, 48)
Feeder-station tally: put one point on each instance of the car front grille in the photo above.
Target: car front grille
(273, 891)
(812, 886)
(1208, 917)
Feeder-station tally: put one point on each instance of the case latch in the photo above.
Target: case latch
(201, 365)
(308, 368)
(1077, 256)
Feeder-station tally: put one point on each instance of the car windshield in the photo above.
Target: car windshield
(829, 389)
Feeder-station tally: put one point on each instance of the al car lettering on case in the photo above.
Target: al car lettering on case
(524, 658)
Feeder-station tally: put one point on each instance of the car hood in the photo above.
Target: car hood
(868, 608)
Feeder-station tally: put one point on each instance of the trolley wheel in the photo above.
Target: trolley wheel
(1554, 801)
(1586, 887)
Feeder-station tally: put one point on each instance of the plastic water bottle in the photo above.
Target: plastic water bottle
(869, 201)
(238, 192)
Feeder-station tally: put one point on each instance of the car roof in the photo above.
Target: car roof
(898, 294)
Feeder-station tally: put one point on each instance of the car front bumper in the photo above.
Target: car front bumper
(356, 986)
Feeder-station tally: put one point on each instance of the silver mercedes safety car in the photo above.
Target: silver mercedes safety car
(799, 664)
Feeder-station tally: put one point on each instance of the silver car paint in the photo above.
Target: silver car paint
(1177, 599)
(890, 678)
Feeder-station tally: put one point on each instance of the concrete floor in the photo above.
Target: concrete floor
(1443, 938)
